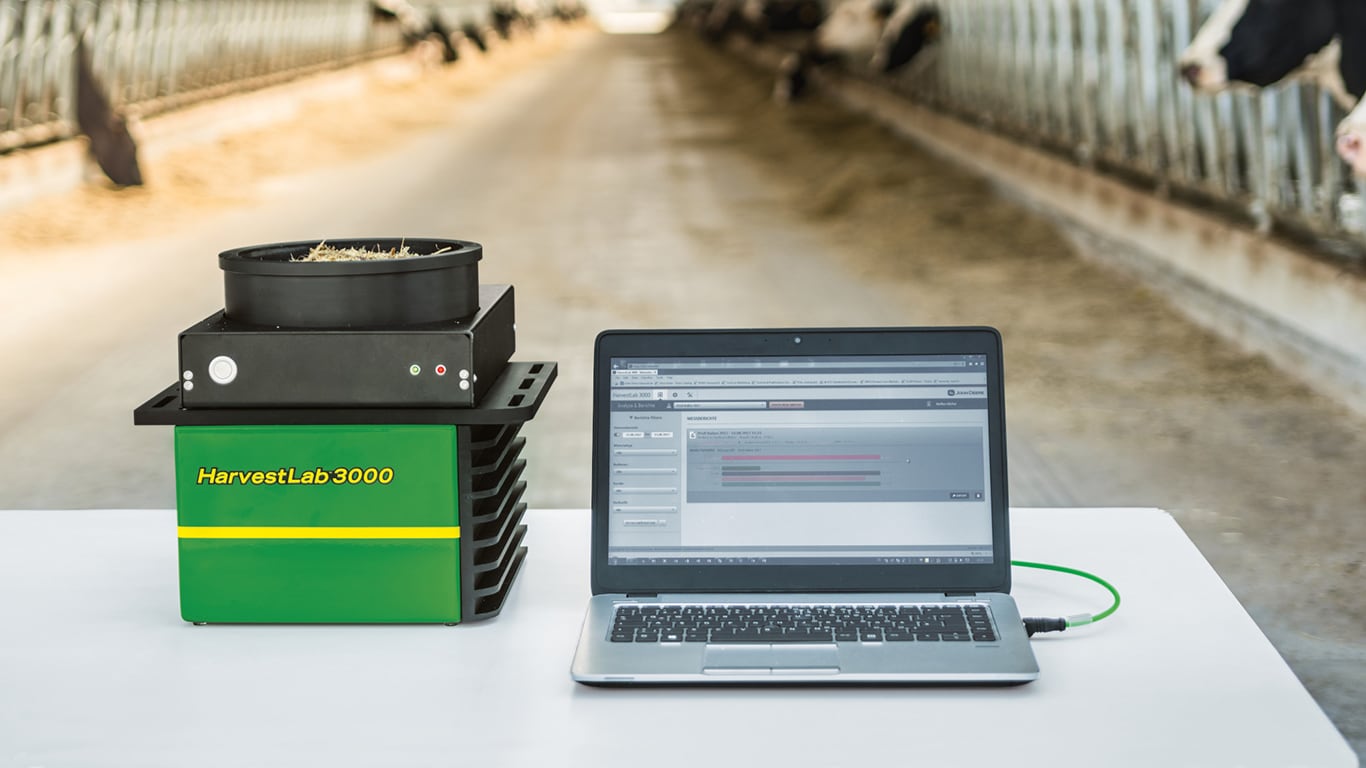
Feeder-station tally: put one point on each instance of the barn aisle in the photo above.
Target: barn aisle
(651, 181)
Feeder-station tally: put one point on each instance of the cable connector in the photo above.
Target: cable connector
(1036, 625)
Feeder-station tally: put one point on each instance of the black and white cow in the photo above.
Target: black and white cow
(721, 19)
(761, 17)
(911, 28)
(568, 11)
(111, 145)
(876, 34)
(1352, 141)
(850, 33)
(420, 30)
(510, 17)
(1352, 131)
(476, 35)
(1261, 42)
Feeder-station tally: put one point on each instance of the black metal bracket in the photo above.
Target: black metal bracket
(514, 398)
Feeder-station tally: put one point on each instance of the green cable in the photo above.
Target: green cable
(1084, 618)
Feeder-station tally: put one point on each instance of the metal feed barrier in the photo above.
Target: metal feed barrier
(154, 55)
(1094, 79)
(1097, 80)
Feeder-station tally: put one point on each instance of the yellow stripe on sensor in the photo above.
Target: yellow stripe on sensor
(315, 532)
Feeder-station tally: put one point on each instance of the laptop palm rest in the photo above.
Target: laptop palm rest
(763, 659)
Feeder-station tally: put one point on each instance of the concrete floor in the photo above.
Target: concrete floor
(650, 182)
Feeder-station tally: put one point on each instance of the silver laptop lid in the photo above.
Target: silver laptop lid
(799, 460)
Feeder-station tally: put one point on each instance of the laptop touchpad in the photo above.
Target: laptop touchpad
(722, 659)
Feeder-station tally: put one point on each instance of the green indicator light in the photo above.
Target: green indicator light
(415, 369)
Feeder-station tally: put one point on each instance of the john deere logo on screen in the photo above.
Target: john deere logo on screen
(296, 476)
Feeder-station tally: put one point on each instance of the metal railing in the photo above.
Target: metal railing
(154, 55)
(1097, 80)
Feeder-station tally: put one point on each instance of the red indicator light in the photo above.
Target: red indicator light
(441, 370)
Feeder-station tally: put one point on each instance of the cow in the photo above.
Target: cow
(911, 28)
(110, 143)
(863, 33)
(1261, 42)
(420, 30)
(693, 13)
(761, 17)
(1352, 38)
(1351, 141)
(508, 17)
(475, 34)
(1352, 131)
(568, 11)
(722, 18)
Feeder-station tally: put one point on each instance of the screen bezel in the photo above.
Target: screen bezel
(656, 579)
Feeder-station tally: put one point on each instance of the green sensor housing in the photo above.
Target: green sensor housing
(404, 516)
(332, 523)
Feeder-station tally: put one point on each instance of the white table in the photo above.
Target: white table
(96, 669)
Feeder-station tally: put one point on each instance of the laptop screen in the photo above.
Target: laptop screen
(798, 460)
(745, 461)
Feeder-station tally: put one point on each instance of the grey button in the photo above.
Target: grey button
(222, 369)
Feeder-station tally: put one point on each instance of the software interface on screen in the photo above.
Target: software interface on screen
(859, 460)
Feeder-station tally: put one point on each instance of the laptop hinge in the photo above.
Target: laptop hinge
(642, 594)
(960, 594)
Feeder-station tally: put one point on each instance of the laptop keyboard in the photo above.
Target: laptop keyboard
(802, 623)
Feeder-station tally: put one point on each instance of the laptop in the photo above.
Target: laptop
(800, 505)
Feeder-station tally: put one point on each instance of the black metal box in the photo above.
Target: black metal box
(225, 363)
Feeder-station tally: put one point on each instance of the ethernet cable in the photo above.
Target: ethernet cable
(1035, 625)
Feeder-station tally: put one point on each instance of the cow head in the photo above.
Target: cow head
(905, 38)
(852, 29)
(1352, 141)
(1257, 41)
